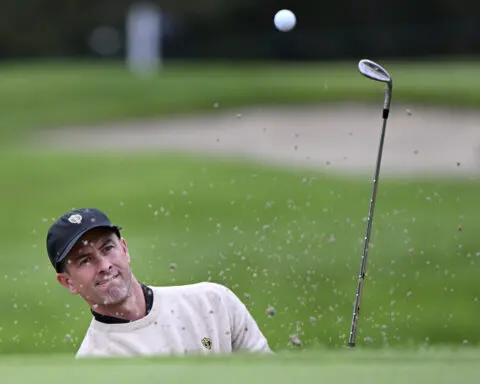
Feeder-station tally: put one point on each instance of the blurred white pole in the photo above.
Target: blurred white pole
(143, 45)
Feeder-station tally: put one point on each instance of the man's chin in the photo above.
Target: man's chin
(113, 296)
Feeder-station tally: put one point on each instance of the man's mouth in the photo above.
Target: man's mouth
(107, 279)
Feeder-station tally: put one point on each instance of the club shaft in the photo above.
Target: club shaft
(363, 266)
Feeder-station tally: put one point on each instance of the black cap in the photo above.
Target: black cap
(69, 228)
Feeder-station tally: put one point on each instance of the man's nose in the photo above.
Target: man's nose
(104, 264)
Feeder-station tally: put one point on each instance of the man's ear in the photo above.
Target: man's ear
(64, 279)
(123, 242)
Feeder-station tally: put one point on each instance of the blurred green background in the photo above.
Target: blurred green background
(277, 236)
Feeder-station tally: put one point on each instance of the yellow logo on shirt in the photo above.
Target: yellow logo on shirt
(207, 343)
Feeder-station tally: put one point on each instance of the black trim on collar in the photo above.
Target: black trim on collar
(147, 293)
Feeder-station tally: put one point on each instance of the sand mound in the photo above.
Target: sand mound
(341, 137)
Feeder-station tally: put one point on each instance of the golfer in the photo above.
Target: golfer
(130, 318)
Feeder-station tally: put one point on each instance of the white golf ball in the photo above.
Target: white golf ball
(285, 20)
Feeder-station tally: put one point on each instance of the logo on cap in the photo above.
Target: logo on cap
(75, 219)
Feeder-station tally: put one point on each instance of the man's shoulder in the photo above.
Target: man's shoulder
(194, 289)
(87, 346)
(201, 298)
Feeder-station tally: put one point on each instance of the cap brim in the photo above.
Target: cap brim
(74, 241)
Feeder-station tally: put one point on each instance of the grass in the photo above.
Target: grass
(38, 95)
(277, 237)
(430, 366)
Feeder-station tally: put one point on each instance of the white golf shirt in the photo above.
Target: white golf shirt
(198, 318)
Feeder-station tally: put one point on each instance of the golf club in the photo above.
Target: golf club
(373, 71)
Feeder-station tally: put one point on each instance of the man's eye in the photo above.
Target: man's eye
(109, 248)
(85, 260)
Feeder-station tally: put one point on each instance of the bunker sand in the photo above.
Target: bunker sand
(336, 138)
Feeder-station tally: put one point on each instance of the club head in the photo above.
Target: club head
(374, 71)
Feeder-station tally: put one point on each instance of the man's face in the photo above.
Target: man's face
(98, 268)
